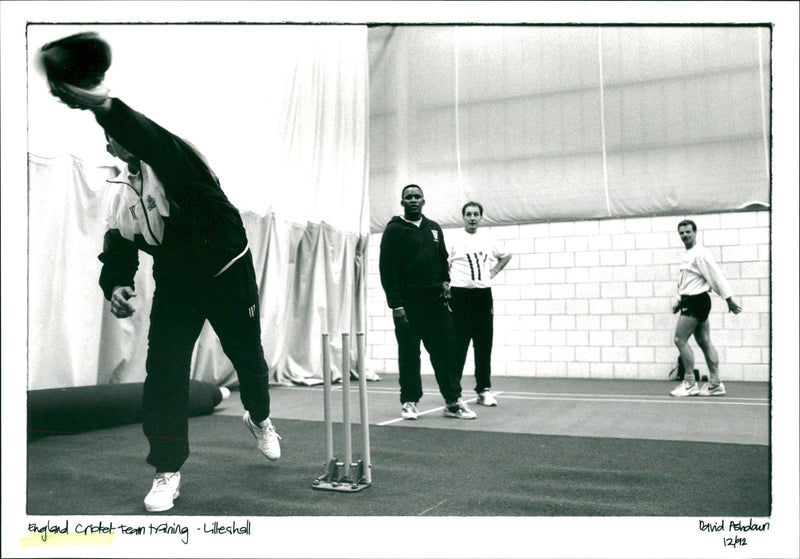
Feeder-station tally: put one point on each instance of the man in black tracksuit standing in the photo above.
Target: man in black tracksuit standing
(415, 277)
(171, 206)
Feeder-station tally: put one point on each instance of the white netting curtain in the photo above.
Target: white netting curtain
(281, 114)
(579, 122)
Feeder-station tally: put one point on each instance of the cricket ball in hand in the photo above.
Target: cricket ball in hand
(80, 60)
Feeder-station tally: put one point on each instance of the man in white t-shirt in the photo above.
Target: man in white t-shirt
(700, 274)
(475, 258)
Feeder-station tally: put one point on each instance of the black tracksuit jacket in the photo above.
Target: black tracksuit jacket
(203, 232)
(412, 260)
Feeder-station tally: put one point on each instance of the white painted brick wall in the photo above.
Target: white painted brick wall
(591, 299)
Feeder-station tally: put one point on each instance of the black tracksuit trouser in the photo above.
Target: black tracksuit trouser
(473, 320)
(230, 303)
(429, 321)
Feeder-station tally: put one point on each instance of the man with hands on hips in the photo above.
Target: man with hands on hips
(475, 258)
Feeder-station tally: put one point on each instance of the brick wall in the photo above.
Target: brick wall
(591, 299)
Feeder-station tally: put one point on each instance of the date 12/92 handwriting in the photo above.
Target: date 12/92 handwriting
(733, 529)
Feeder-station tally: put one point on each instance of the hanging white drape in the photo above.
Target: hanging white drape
(544, 123)
(280, 112)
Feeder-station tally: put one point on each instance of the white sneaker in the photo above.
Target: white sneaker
(486, 398)
(459, 410)
(686, 389)
(708, 390)
(266, 437)
(166, 488)
(409, 410)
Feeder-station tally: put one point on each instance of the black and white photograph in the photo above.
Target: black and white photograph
(396, 279)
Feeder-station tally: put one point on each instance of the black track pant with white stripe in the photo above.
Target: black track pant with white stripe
(230, 303)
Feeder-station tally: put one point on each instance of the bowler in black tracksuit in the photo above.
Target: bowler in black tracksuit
(203, 270)
(415, 277)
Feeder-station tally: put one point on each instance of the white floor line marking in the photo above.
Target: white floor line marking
(433, 507)
(590, 396)
(584, 397)
(389, 422)
(600, 396)
(656, 400)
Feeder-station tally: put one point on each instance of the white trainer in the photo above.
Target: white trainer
(409, 410)
(486, 398)
(266, 437)
(459, 410)
(686, 389)
(166, 488)
(708, 390)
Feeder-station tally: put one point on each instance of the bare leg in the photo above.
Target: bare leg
(683, 330)
(703, 337)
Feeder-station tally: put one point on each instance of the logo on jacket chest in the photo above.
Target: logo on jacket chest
(435, 236)
(149, 204)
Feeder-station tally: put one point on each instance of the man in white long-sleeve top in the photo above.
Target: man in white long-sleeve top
(700, 274)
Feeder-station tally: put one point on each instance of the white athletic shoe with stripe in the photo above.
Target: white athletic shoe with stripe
(686, 389)
(409, 410)
(459, 410)
(708, 390)
(486, 398)
(266, 437)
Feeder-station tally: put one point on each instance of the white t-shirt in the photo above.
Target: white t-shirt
(471, 257)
